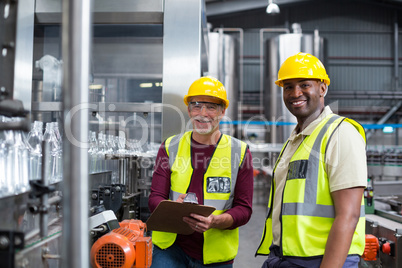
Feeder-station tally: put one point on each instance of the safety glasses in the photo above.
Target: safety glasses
(210, 107)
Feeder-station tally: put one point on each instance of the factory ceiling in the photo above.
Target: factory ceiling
(225, 7)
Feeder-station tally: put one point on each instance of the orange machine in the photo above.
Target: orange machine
(371, 248)
(124, 247)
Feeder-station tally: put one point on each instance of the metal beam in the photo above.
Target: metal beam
(226, 7)
(217, 8)
(8, 28)
(184, 47)
(385, 118)
(24, 52)
(370, 95)
(105, 11)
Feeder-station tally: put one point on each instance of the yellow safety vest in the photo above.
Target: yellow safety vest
(307, 215)
(218, 188)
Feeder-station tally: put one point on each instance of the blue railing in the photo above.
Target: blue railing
(272, 123)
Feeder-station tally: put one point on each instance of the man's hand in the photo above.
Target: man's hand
(181, 197)
(201, 224)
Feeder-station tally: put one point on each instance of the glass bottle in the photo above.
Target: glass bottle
(93, 151)
(59, 153)
(21, 158)
(34, 143)
(101, 152)
(122, 145)
(16, 161)
(113, 163)
(3, 162)
(50, 153)
(10, 183)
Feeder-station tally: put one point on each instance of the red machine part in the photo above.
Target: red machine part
(386, 248)
(124, 247)
(371, 248)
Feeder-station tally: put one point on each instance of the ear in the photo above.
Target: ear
(323, 90)
(223, 111)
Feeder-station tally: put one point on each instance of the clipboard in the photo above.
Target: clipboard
(168, 216)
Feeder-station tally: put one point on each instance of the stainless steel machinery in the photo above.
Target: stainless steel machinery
(224, 64)
(384, 215)
(278, 49)
(117, 70)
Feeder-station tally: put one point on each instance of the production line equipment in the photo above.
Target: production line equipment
(132, 44)
(383, 203)
(31, 209)
(115, 244)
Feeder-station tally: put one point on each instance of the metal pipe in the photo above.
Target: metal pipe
(389, 113)
(384, 118)
(44, 199)
(122, 170)
(76, 42)
(241, 65)
(396, 77)
(396, 57)
(365, 95)
(35, 232)
(273, 92)
(24, 125)
(361, 58)
(262, 31)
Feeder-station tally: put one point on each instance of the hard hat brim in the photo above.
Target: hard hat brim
(279, 82)
(187, 97)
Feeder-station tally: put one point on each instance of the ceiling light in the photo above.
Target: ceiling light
(272, 8)
(145, 85)
(388, 129)
(95, 87)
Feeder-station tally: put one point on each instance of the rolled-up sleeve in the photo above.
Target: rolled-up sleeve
(160, 186)
(346, 159)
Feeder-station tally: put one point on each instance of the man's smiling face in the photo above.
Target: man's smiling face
(205, 113)
(304, 97)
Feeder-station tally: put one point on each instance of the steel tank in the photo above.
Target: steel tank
(278, 49)
(223, 64)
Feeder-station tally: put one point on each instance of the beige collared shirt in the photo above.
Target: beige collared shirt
(345, 163)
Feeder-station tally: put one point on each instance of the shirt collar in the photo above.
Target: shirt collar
(310, 128)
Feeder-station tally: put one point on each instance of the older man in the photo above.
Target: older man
(214, 166)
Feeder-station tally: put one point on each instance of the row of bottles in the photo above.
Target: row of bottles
(21, 156)
(13, 161)
(105, 150)
(99, 147)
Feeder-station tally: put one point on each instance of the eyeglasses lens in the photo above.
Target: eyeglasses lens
(209, 106)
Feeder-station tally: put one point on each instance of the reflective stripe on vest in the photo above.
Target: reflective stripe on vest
(300, 207)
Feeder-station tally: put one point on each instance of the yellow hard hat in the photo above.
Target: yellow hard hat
(302, 65)
(207, 86)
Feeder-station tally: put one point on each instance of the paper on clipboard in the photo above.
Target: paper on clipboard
(168, 216)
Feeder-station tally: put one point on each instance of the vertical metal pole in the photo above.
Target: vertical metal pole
(24, 52)
(44, 217)
(76, 42)
(396, 56)
(273, 90)
(241, 68)
(182, 54)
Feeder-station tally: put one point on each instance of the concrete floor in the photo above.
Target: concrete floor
(250, 237)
